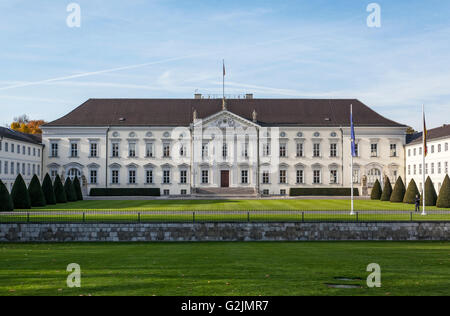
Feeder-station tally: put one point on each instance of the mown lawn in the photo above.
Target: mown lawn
(230, 269)
(231, 205)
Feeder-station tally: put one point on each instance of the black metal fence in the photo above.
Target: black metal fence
(107, 216)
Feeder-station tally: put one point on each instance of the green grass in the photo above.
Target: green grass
(229, 269)
(231, 205)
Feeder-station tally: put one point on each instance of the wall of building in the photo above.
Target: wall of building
(27, 161)
(224, 232)
(437, 160)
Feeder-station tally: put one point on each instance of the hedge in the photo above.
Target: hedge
(77, 186)
(387, 191)
(323, 192)
(49, 193)
(60, 193)
(376, 191)
(125, 192)
(411, 193)
(70, 191)
(19, 194)
(399, 191)
(37, 197)
(430, 194)
(6, 203)
(443, 200)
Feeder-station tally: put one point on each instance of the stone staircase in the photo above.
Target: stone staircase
(225, 192)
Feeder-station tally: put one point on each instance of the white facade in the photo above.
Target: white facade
(436, 164)
(223, 150)
(22, 157)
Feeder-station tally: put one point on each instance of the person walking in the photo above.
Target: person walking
(417, 203)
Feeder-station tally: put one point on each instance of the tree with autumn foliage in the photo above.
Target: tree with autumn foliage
(23, 124)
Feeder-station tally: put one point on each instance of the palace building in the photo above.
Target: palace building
(19, 153)
(437, 160)
(213, 146)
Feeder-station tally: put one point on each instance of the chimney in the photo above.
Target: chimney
(249, 96)
(197, 96)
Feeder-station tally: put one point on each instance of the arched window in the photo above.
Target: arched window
(72, 173)
(373, 176)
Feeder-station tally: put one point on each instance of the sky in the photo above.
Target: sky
(273, 49)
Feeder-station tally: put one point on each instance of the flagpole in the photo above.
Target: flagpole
(351, 165)
(424, 151)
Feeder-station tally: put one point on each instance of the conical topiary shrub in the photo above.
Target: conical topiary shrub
(36, 194)
(376, 191)
(19, 194)
(77, 186)
(399, 191)
(60, 193)
(443, 200)
(6, 203)
(430, 194)
(387, 191)
(411, 193)
(70, 191)
(49, 193)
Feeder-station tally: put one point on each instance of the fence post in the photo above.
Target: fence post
(193, 217)
(248, 217)
(139, 217)
(303, 217)
(84, 217)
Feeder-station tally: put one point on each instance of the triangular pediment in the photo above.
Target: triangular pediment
(226, 119)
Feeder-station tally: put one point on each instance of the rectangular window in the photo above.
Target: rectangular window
(356, 177)
(415, 169)
(409, 170)
(12, 167)
(426, 168)
(439, 168)
(394, 150)
(283, 150)
(432, 168)
(34, 169)
(266, 149)
(149, 176)
(183, 192)
(432, 149)
(23, 150)
(420, 169)
(415, 151)
(225, 150)
(300, 177)
(34, 152)
(316, 150)
(205, 176)
(23, 168)
(6, 167)
(283, 192)
(12, 148)
(265, 177)
(283, 179)
(420, 151)
(166, 192)
(1, 166)
(53, 174)
(183, 176)
(299, 149)
(29, 151)
(93, 176)
(333, 150)
(244, 176)
(149, 150)
(29, 169)
(39, 152)
(6, 147)
(132, 150)
(18, 149)
(132, 176)
(446, 167)
(266, 192)
(439, 148)
(166, 150)
(182, 150)
(446, 146)
(115, 176)
(166, 176)
(18, 168)
(374, 150)
(115, 150)
(333, 177)
(357, 150)
(245, 150)
(204, 150)
(54, 150)
(73, 150)
(316, 177)
(94, 150)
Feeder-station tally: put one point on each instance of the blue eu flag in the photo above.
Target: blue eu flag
(353, 134)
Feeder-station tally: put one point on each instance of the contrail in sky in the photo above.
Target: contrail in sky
(86, 74)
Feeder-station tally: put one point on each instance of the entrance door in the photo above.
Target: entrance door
(225, 179)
